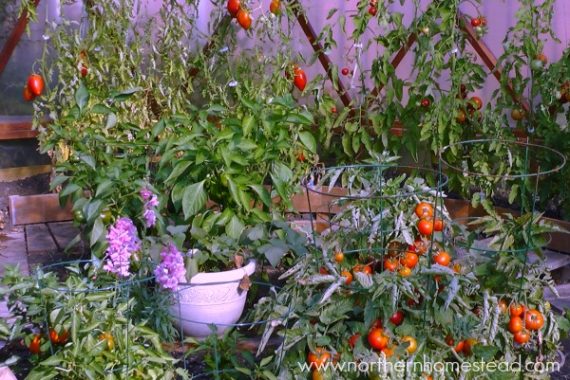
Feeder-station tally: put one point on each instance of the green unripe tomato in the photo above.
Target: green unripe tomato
(106, 216)
(78, 216)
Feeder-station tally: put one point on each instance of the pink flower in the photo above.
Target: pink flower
(171, 269)
(150, 204)
(122, 241)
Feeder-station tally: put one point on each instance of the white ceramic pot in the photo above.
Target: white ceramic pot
(210, 298)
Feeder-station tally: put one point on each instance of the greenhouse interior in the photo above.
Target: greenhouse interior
(284, 189)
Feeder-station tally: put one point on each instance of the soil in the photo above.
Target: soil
(24, 365)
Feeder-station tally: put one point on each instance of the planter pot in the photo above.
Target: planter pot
(210, 298)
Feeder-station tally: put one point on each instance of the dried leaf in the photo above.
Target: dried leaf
(245, 283)
(238, 261)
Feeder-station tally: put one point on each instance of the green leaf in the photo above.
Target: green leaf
(125, 94)
(235, 227)
(178, 170)
(101, 109)
(262, 193)
(309, 141)
(103, 188)
(81, 96)
(194, 199)
(69, 189)
(98, 232)
(89, 160)
(58, 180)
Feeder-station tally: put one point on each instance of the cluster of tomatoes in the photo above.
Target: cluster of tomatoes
(34, 87)
(372, 8)
(474, 104)
(377, 339)
(347, 274)
(427, 225)
(479, 24)
(240, 13)
(464, 347)
(522, 322)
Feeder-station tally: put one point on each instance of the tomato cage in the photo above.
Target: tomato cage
(367, 206)
(83, 305)
(505, 243)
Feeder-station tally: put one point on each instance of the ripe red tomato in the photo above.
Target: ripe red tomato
(372, 10)
(28, 96)
(459, 347)
(425, 102)
(35, 344)
(244, 18)
(516, 324)
(522, 337)
(233, 7)
(409, 260)
(391, 264)
(53, 336)
(323, 270)
(534, 320)
(476, 103)
(344, 71)
(346, 274)
(475, 21)
(275, 7)
(318, 358)
(63, 337)
(397, 318)
(339, 257)
(377, 339)
(83, 70)
(442, 258)
(468, 346)
(353, 340)
(438, 225)
(516, 310)
(299, 78)
(424, 210)
(425, 227)
(449, 340)
(36, 84)
(333, 109)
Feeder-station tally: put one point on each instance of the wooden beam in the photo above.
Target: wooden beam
(318, 48)
(22, 172)
(32, 209)
(14, 38)
(16, 127)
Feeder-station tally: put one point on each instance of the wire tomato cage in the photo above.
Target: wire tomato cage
(507, 169)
